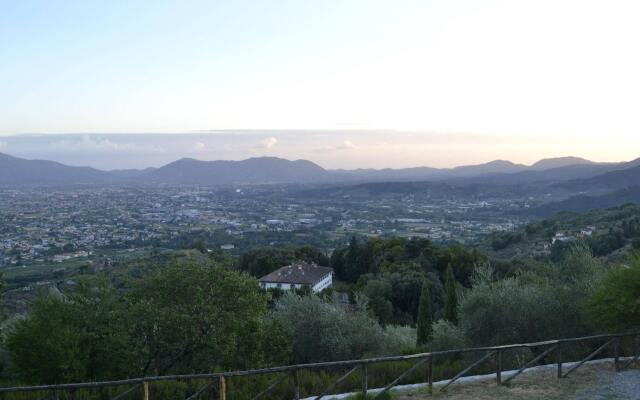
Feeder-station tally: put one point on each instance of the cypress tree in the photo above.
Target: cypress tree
(424, 315)
(451, 306)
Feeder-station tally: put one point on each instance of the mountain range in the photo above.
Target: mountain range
(569, 173)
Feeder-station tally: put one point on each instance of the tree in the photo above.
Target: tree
(425, 318)
(322, 330)
(73, 338)
(533, 306)
(200, 245)
(615, 305)
(195, 317)
(451, 305)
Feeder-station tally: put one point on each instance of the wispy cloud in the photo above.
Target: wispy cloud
(345, 145)
(90, 144)
(3, 146)
(269, 143)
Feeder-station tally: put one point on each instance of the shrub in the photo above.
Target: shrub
(400, 339)
(70, 339)
(446, 336)
(324, 331)
(615, 304)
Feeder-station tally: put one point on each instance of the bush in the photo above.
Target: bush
(616, 303)
(531, 307)
(195, 317)
(325, 331)
(446, 336)
(400, 339)
(71, 339)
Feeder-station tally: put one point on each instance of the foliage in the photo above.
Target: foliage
(446, 336)
(324, 330)
(174, 319)
(425, 315)
(504, 240)
(182, 320)
(393, 293)
(375, 255)
(538, 305)
(401, 339)
(71, 339)
(615, 304)
(260, 262)
(451, 305)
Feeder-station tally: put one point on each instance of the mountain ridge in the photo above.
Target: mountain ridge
(265, 170)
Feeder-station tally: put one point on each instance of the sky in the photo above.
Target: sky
(345, 83)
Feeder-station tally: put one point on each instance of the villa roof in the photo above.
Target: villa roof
(300, 273)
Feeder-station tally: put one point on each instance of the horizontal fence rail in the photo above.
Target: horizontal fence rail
(217, 381)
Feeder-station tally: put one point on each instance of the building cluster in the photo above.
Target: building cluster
(55, 225)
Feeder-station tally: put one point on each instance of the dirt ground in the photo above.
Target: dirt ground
(599, 382)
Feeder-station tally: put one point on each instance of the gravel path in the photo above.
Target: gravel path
(621, 385)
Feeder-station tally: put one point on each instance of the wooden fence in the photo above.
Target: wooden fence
(218, 381)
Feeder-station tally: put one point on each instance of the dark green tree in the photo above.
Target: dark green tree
(451, 304)
(425, 315)
(73, 338)
(615, 304)
(193, 317)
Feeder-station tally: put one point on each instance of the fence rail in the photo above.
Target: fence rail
(497, 352)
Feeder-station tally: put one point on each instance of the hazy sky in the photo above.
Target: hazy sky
(458, 81)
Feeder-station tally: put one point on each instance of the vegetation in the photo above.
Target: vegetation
(451, 305)
(608, 232)
(616, 303)
(203, 312)
(425, 315)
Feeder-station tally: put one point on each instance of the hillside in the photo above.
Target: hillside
(583, 203)
(550, 163)
(251, 171)
(618, 179)
(18, 171)
(571, 175)
(609, 232)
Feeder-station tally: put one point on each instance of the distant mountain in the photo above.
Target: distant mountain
(583, 203)
(251, 171)
(550, 163)
(492, 167)
(428, 173)
(19, 171)
(554, 176)
(617, 179)
(265, 170)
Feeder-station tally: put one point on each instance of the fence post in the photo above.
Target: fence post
(499, 367)
(296, 385)
(430, 374)
(365, 381)
(223, 388)
(145, 386)
(559, 354)
(616, 354)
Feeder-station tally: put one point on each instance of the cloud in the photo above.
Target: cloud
(346, 145)
(269, 142)
(90, 144)
(199, 147)
(3, 146)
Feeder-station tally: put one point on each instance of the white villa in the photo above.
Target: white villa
(297, 275)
